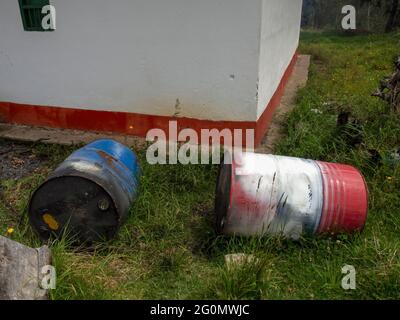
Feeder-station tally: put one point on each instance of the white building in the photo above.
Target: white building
(132, 65)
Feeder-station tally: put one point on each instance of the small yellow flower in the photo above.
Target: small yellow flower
(389, 178)
(10, 231)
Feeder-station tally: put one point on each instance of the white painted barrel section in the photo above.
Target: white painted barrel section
(273, 195)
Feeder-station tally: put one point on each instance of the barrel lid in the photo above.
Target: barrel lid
(73, 206)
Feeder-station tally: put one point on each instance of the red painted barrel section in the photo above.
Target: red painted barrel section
(345, 195)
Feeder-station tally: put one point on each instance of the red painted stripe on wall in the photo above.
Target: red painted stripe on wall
(132, 123)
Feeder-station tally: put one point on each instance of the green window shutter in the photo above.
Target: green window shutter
(31, 13)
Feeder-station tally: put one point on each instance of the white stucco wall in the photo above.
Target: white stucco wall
(280, 31)
(143, 55)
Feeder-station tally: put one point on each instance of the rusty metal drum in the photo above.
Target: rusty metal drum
(89, 195)
(261, 194)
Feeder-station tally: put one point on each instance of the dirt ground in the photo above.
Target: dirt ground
(17, 160)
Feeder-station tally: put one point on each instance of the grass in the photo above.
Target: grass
(168, 249)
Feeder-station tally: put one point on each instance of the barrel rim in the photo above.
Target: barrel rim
(222, 206)
(326, 228)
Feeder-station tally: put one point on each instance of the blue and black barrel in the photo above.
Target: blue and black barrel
(88, 197)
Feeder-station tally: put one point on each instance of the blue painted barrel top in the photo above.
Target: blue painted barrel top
(118, 158)
(116, 150)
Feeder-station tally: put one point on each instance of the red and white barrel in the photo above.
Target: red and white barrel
(261, 194)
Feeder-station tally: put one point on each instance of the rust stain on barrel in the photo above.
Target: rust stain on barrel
(109, 159)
